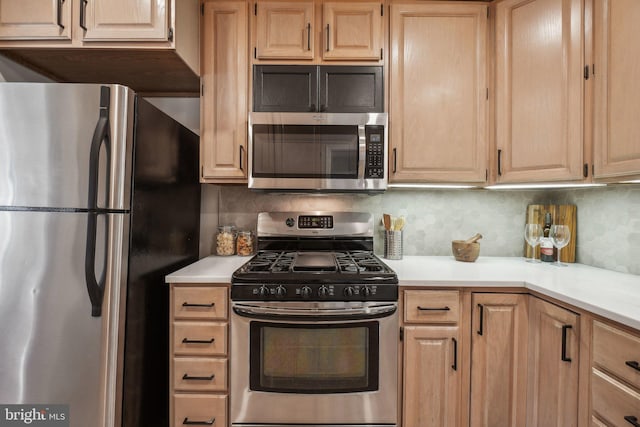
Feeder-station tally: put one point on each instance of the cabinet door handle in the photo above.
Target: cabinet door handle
(190, 341)
(434, 308)
(241, 153)
(564, 357)
(632, 420)
(395, 159)
(328, 38)
(83, 14)
(189, 377)
(59, 13)
(455, 354)
(188, 422)
(499, 162)
(309, 36)
(188, 304)
(481, 328)
(633, 364)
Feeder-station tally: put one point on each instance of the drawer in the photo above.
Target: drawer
(198, 374)
(617, 352)
(613, 401)
(190, 302)
(431, 306)
(199, 409)
(199, 339)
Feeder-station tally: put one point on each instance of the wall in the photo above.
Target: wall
(608, 218)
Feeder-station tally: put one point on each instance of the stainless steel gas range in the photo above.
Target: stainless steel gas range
(314, 325)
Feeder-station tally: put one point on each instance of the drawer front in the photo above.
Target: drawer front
(617, 352)
(197, 374)
(613, 401)
(431, 306)
(200, 302)
(199, 339)
(200, 409)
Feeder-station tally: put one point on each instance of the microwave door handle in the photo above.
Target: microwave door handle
(362, 152)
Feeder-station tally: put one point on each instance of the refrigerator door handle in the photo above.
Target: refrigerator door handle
(101, 135)
(95, 287)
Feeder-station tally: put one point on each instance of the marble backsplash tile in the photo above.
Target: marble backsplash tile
(608, 218)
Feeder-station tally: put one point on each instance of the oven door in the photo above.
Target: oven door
(314, 363)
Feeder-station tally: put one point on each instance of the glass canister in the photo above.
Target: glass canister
(245, 243)
(226, 240)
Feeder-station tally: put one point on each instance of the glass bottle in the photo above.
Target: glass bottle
(226, 240)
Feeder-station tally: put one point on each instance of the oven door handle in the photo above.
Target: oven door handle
(285, 314)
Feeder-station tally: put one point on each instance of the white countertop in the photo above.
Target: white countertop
(610, 294)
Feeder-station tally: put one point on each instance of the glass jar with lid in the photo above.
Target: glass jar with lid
(245, 243)
(226, 240)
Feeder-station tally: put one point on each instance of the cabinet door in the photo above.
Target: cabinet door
(284, 30)
(223, 132)
(438, 86)
(553, 365)
(617, 88)
(285, 88)
(431, 395)
(351, 89)
(352, 30)
(539, 86)
(124, 19)
(499, 360)
(35, 19)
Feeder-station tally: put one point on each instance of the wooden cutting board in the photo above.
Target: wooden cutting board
(561, 214)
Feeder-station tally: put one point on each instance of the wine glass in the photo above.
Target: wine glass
(560, 236)
(533, 236)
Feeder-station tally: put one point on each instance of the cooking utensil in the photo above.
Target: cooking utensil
(466, 250)
(386, 219)
(474, 239)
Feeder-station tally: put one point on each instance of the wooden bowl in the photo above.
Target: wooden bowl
(463, 251)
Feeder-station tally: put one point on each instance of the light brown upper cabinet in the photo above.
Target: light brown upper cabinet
(225, 80)
(539, 90)
(284, 30)
(148, 45)
(35, 19)
(617, 90)
(438, 93)
(317, 32)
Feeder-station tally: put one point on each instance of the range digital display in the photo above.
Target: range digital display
(315, 221)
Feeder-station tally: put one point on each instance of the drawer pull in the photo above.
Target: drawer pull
(189, 377)
(563, 356)
(632, 420)
(189, 341)
(633, 364)
(434, 309)
(188, 422)
(188, 304)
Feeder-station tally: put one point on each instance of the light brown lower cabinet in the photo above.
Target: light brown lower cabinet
(498, 360)
(554, 358)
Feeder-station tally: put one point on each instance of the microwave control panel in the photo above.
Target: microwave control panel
(374, 158)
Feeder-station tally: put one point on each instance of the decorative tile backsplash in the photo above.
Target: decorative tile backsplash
(608, 218)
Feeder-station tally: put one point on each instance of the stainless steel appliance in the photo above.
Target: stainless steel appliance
(99, 200)
(314, 325)
(318, 151)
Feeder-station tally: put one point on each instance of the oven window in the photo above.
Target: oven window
(294, 151)
(329, 358)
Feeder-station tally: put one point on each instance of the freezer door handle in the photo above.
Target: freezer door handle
(101, 135)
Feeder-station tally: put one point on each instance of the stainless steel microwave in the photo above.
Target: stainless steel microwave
(318, 151)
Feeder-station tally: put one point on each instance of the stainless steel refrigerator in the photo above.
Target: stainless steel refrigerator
(99, 199)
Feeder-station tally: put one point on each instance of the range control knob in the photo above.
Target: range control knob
(290, 222)
(305, 291)
(365, 291)
(323, 291)
(349, 291)
(263, 291)
(281, 291)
